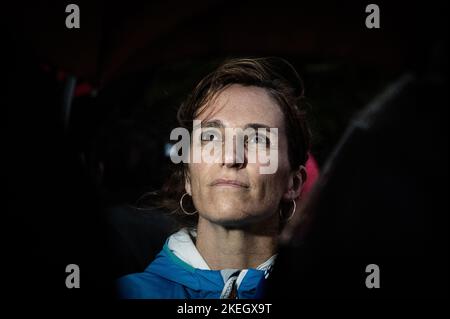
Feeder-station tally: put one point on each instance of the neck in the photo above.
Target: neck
(237, 248)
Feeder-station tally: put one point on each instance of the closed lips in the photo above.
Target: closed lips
(228, 182)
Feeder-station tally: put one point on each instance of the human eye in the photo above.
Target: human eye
(210, 135)
(259, 139)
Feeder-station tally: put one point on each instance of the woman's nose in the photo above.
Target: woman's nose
(234, 154)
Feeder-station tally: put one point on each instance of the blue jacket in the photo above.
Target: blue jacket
(171, 277)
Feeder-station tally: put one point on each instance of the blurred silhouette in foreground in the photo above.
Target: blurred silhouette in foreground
(382, 198)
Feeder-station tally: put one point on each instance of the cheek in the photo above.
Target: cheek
(198, 174)
(279, 154)
(263, 185)
(271, 187)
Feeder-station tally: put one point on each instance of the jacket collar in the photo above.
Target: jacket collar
(182, 246)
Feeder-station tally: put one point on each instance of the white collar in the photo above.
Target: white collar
(182, 246)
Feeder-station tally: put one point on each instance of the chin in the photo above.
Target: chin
(227, 214)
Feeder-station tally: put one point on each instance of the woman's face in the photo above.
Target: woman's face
(230, 193)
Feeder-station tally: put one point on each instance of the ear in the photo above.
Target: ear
(296, 180)
(187, 182)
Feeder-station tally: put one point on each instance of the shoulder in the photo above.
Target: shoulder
(158, 281)
(147, 285)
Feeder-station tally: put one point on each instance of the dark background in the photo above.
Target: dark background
(132, 65)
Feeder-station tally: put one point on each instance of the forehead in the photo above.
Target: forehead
(239, 105)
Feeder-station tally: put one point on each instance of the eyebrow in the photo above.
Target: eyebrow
(219, 124)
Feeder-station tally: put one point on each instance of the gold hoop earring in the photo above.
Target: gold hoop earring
(182, 208)
(292, 214)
